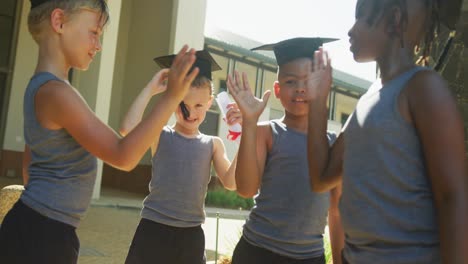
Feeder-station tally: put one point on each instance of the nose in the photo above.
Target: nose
(98, 45)
(301, 88)
(350, 31)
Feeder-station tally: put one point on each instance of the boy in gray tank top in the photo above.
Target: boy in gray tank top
(63, 136)
(288, 220)
(170, 228)
(402, 152)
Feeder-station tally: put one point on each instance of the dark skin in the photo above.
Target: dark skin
(425, 101)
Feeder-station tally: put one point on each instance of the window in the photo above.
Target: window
(222, 86)
(251, 72)
(344, 117)
(210, 124)
(8, 31)
(219, 77)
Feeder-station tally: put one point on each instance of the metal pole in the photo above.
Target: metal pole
(217, 228)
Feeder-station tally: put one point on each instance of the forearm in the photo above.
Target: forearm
(336, 235)
(134, 145)
(247, 172)
(334, 225)
(317, 145)
(229, 178)
(135, 113)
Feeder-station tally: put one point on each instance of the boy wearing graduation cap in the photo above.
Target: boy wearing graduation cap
(64, 137)
(170, 229)
(288, 221)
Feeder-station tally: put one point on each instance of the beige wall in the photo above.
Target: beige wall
(344, 105)
(146, 30)
(147, 36)
(188, 24)
(120, 64)
(25, 62)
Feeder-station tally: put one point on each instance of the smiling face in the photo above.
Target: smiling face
(80, 38)
(70, 28)
(291, 86)
(197, 101)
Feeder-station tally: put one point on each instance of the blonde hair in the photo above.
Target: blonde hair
(202, 82)
(39, 15)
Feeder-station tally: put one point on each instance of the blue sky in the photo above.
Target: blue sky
(275, 20)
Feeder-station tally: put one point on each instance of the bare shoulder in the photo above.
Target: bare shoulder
(57, 92)
(218, 145)
(429, 96)
(217, 142)
(264, 125)
(264, 134)
(427, 84)
(57, 103)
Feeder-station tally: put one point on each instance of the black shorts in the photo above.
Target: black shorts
(29, 237)
(246, 253)
(158, 243)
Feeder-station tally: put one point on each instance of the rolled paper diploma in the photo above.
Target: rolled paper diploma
(235, 130)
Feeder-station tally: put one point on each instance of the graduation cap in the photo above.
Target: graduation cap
(205, 63)
(291, 49)
(35, 3)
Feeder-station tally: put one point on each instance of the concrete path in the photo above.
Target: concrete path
(107, 230)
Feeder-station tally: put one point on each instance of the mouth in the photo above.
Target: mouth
(351, 41)
(92, 54)
(191, 120)
(299, 101)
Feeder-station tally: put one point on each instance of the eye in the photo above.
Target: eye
(96, 32)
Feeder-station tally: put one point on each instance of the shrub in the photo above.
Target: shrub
(219, 197)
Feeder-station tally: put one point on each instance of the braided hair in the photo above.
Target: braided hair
(380, 9)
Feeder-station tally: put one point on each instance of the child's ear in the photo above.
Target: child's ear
(57, 19)
(394, 22)
(276, 88)
(210, 102)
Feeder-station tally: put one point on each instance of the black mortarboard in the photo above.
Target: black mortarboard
(291, 49)
(35, 3)
(205, 63)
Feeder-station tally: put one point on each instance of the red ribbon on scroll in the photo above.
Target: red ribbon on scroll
(233, 135)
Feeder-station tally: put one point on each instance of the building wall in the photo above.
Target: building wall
(344, 107)
(146, 30)
(25, 63)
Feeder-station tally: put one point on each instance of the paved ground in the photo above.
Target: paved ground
(107, 230)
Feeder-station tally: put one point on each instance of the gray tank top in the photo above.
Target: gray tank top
(288, 218)
(387, 204)
(61, 172)
(179, 181)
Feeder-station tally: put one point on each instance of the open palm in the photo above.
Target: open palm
(250, 106)
(320, 79)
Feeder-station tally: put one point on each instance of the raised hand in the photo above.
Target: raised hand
(159, 82)
(320, 79)
(250, 106)
(179, 77)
